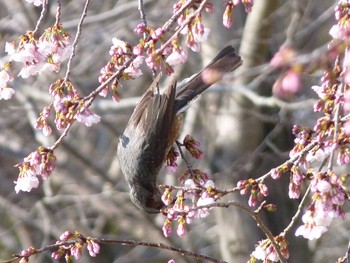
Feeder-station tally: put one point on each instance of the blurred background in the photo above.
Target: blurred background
(244, 132)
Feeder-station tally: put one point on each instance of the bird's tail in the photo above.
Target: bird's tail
(189, 89)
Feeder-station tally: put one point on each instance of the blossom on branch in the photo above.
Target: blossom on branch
(35, 2)
(86, 117)
(40, 162)
(5, 91)
(46, 53)
(266, 251)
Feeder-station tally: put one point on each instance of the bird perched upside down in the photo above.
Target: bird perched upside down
(154, 126)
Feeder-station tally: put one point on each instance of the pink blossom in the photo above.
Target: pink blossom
(287, 85)
(178, 56)
(347, 101)
(156, 34)
(140, 28)
(167, 197)
(263, 189)
(35, 2)
(181, 230)
(320, 91)
(10, 48)
(209, 183)
(6, 93)
(38, 162)
(253, 200)
(343, 157)
(104, 92)
(190, 216)
(310, 232)
(294, 190)
(47, 130)
(275, 173)
(346, 127)
(134, 70)
(66, 236)
(153, 62)
(189, 183)
(171, 261)
(265, 251)
(87, 117)
(119, 47)
(4, 78)
(284, 56)
(76, 251)
(56, 255)
(27, 252)
(52, 48)
(93, 248)
(227, 17)
(340, 31)
(323, 186)
(167, 230)
(204, 200)
(191, 145)
(138, 50)
(26, 183)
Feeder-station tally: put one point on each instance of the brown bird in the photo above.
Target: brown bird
(154, 126)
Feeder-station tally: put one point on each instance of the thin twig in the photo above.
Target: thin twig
(175, 16)
(41, 18)
(297, 214)
(58, 11)
(292, 160)
(59, 140)
(142, 12)
(181, 251)
(75, 42)
(183, 157)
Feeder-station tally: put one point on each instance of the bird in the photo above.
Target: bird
(155, 124)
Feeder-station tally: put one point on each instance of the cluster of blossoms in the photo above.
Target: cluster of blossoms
(329, 138)
(121, 53)
(198, 191)
(40, 162)
(266, 251)
(256, 190)
(75, 246)
(46, 53)
(6, 92)
(189, 23)
(288, 83)
(191, 145)
(328, 197)
(194, 29)
(68, 106)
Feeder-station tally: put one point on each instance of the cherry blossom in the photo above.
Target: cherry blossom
(5, 91)
(35, 2)
(40, 162)
(86, 117)
(93, 247)
(178, 56)
(287, 85)
(26, 183)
